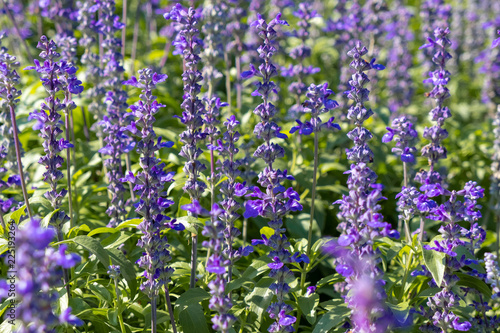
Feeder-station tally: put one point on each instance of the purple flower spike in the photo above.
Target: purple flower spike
(189, 44)
(55, 76)
(406, 138)
(361, 223)
(272, 204)
(149, 184)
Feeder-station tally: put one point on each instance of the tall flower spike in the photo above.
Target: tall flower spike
(149, 184)
(277, 201)
(300, 71)
(217, 264)
(117, 142)
(11, 149)
(53, 74)
(230, 189)
(189, 44)
(361, 223)
(38, 268)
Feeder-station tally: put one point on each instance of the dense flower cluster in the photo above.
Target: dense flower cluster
(317, 103)
(277, 201)
(189, 44)
(149, 184)
(55, 76)
(434, 151)
(230, 189)
(492, 273)
(113, 124)
(406, 138)
(38, 271)
(495, 165)
(361, 223)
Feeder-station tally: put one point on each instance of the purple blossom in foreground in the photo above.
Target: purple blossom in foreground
(361, 223)
(367, 295)
(277, 201)
(38, 271)
(189, 43)
(116, 141)
(317, 102)
(149, 184)
(55, 76)
(406, 138)
(454, 236)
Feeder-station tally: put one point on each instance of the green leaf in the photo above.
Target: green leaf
(475, 283)
(126, 268)
(308, 306)
(15, 215)
(401, 311)
(191, 223)
(462, 250)
(435, 263)
(93, 246)
(260, 297)
(192, 319)
(332, 318)
(191, 296)
(101, 230)
(101, 292)
(46, 220)
(129, 223)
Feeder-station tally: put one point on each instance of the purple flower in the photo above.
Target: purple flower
(274, 203)
(38, 271)
(149, 184)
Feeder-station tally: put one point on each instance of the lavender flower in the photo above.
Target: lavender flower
(61, 12)
(230, 189)
(434, 151)
(38, 268)
(277, 201)
(149, 184)
(495, 167)
(361, 223)
(300, 71)
(434, 14)
(188, 43)
(55, 76)
(117, 142)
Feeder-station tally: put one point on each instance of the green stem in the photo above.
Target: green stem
(153, 314)
(405, 277)
(68, 170)
(19, 161)
(313, 194)
(170, 310)
(119, 307)
(228, 82)
(421, 234)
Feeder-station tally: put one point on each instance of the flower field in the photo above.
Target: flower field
(245, 166)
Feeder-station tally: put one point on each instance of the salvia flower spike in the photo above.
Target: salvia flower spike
(277, 201)
(149, 184)
(53, 74)
(188, 44)
(361, 223)
(11, 149)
